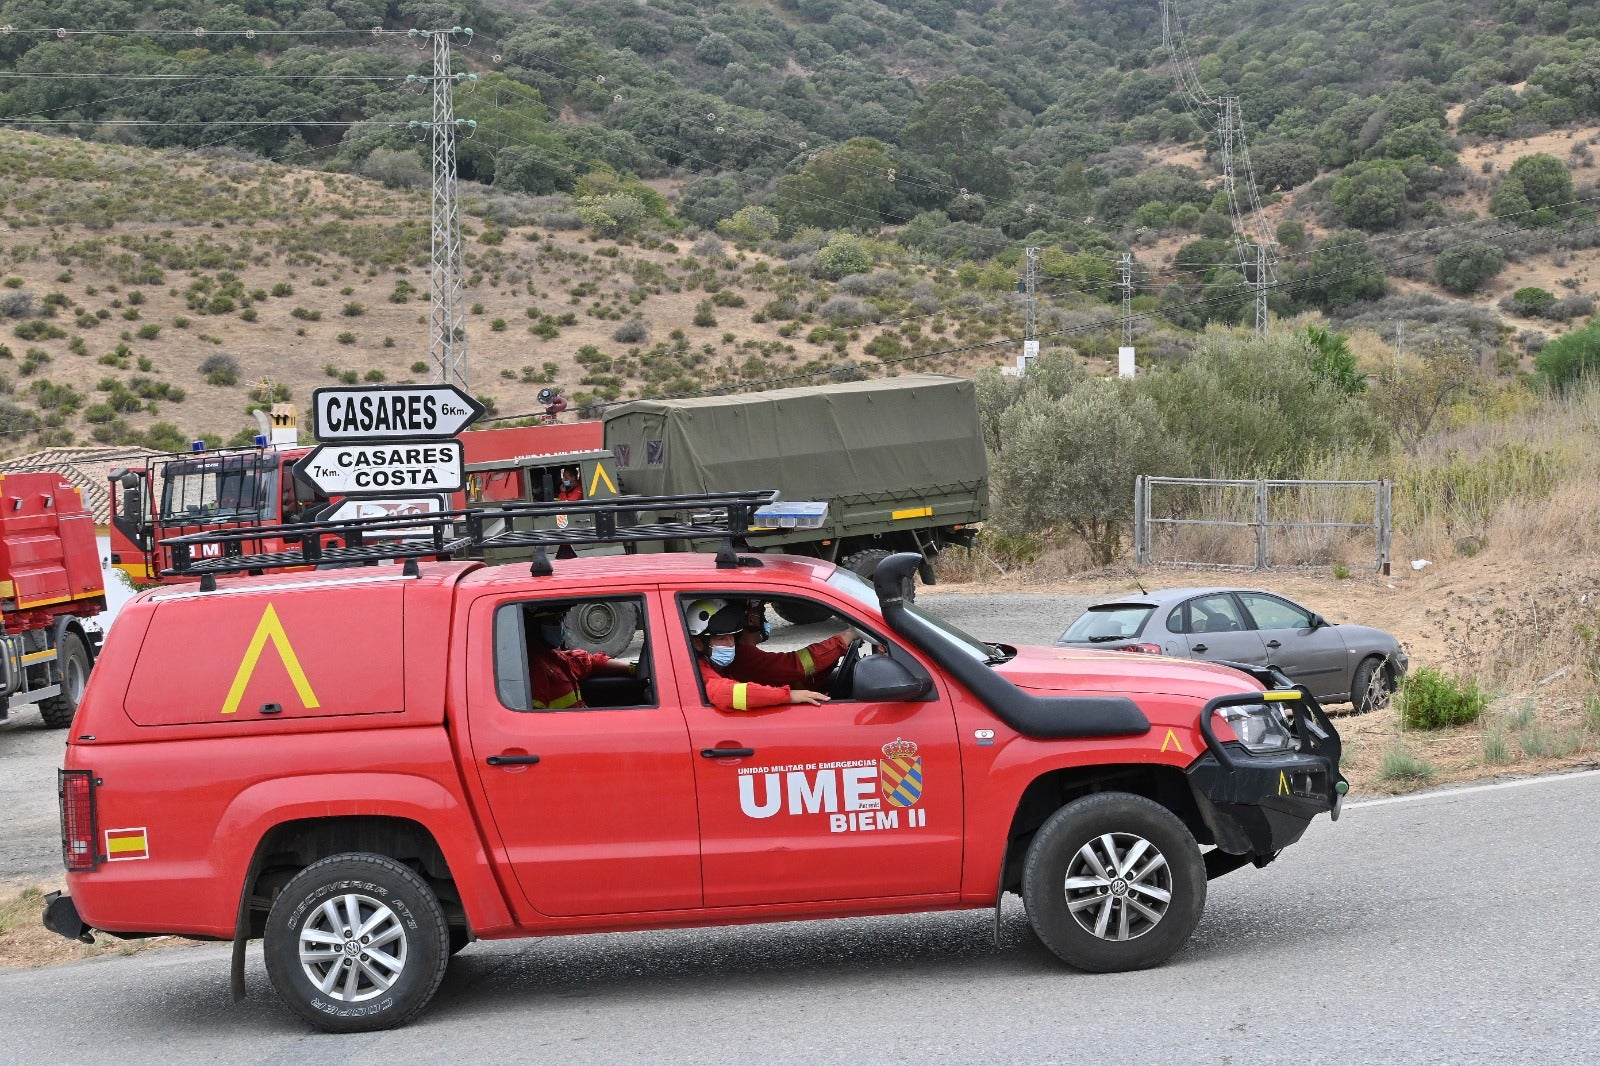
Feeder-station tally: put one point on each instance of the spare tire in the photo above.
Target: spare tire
(603, 626)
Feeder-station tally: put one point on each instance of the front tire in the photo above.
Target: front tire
(1113, 882)
(57, 711)
(356, 942)
(1370, 689)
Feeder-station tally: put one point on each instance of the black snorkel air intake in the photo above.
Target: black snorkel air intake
(1042, 717)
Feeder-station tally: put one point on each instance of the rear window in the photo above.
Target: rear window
(1110, 621)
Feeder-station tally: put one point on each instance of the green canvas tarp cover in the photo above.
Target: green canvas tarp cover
(913, 436)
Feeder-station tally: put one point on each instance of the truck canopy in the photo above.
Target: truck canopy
(910, 437)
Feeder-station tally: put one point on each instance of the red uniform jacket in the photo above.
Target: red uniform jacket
(553, 677)
(759, 678)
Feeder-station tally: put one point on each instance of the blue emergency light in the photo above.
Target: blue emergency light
(197, 446)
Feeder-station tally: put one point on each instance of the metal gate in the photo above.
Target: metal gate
(1323, 515)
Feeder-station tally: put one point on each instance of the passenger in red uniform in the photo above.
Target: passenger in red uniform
(714, 626)
(554, 672)
(570, 489)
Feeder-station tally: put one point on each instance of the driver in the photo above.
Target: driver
(714, 629)
(809, 665)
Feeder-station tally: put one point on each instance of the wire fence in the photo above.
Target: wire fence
(1261, 524)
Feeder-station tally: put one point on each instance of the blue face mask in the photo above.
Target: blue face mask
(722, 655)
(766, 629)
(551, 635)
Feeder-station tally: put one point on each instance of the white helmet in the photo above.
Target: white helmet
(710, 617)
(699, 614)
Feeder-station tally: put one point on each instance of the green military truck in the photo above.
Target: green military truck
(899, 462)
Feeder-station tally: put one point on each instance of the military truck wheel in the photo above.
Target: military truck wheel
(356, 942)
(1113, 882)
(801, 612)
(57, 711)
(866, 563)
(604, 627)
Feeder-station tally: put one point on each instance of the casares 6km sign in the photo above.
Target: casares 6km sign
(392, 412)
(385, 469)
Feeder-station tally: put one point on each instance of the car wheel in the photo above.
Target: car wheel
(1113, 882)
(1371, 689)
(801, 612)
(356, 942)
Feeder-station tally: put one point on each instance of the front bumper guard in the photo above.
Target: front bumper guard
(1260, 804)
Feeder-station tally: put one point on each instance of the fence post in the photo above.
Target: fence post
(1138, 520)
(1385, 526)
(1261, 525)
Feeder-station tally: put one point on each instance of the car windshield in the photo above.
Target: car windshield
(218, 488)
(856, 588)
(1108, 621)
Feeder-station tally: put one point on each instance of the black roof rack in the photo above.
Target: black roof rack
(468, 532)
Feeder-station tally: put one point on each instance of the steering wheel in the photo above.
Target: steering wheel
(843, 677)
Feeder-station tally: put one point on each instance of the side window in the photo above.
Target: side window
(1215, 614)
(1273, 613)
(1175, 622)
(787, 641)
(572, 655)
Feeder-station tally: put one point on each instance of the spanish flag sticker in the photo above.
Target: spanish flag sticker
(127, 844)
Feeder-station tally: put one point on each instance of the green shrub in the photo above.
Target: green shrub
(1494, 747)
(353, 310)
(283, 288)
(220, 370)
(1570, 357)
(148, 332)
(39, 330)
(305, 314)
(1429, 699)
(373, 375)
(1401, 766)
(1467, 267)
(346, 337)
(419, 367)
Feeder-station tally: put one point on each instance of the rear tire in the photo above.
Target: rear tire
(58, 711)
(356, 942)
(605, 627)
(865, 563)
(1113, 882)
(1370, 689)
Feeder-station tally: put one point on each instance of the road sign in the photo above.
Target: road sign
(399, 469)
(348, 510)
(392, 412)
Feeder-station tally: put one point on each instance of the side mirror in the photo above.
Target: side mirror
(884, 679)
(1317, 621)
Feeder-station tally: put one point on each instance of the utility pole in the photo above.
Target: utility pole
(1125, 356)
(447, 320)
(1261, 290)
(1030, 310)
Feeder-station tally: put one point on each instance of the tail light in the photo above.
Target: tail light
(78, 829)
(1148, 649)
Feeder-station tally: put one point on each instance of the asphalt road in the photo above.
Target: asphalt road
(30, 843)
(1452, 927)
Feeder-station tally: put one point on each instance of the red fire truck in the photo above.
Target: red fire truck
(50, 581)
(215, 491)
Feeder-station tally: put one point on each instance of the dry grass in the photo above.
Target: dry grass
(24, 942)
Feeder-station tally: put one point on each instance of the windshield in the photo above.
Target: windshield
(219, 488)
(856, 588)
(1110, 621)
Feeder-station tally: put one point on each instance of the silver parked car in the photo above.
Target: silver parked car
(1335, 663)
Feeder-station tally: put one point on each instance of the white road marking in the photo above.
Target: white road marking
(1450, 793)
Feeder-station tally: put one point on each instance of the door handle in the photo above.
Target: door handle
(727, 753)
(512, 760)
(1199, 648)
(1273, 644)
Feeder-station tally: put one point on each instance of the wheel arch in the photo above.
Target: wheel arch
(1054, 789)
(290, 846)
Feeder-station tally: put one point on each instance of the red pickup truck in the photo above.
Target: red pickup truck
(354, 766)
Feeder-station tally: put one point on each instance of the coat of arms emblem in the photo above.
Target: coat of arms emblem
(900, 773)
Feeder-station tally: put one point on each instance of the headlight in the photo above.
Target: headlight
(1261, 728)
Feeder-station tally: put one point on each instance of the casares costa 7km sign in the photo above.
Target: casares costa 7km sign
(400, 468)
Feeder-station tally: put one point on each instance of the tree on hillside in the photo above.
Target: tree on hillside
(1371, 197)
(1465, 268)
(1546, 184)
(1343, 270)
(956, 125)
(1415, 391)
(840, 188)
